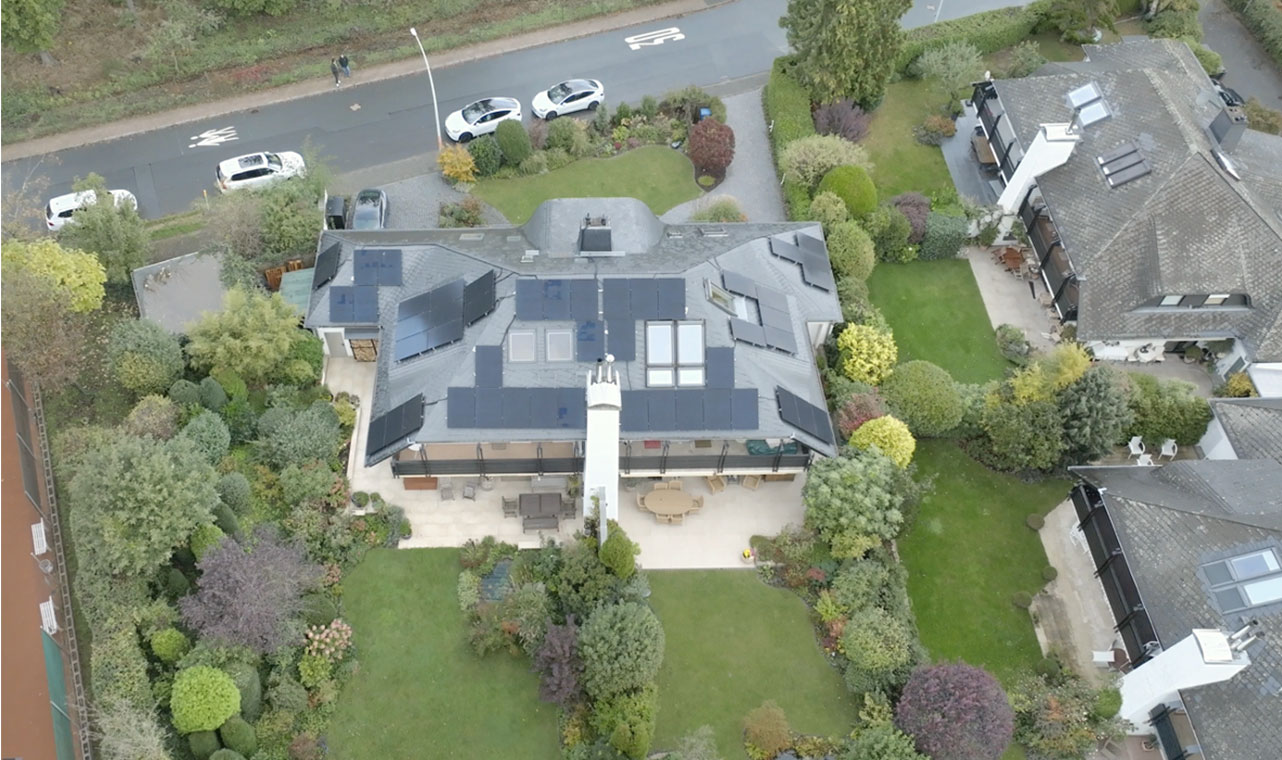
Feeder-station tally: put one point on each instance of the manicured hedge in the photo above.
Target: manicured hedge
(787, 108)
(989, 31)
(1264, 19)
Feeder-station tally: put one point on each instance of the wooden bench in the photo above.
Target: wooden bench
(539, 523)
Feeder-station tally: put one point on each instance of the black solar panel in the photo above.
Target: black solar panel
(644, 297)
(429, 320)
(353, 304)
(774, 318)
(326, 265)
(489, 366)
(743, 409)
(377, 266)
(662, 406)
(769, 298)
(747, 332)
(571, 408)
(717, 410)
(583, 300)
(738, 283)
(589, 341)
(1126, 175)
(478, 297)
(690, 409)
(635, 414)
(529, 298)
(615, 301)
(516, 408)
(719, 363)
(672, 299)
(543, 412)
(621, 340)
(804, 415)
(489, 407)
(1125, 149)
(780, 339)
(785, 250)
(556, 299)
(810, 254)
(460, 408)
(396, 425)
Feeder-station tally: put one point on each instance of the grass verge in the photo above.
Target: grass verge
(175, 225)
(900, 162)
(967, 555)
(420, 685)
(732, 643)
(938, 315)
(657, 175)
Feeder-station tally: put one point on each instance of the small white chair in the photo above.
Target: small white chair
(1168, 449)
(1145, 460)
(1136, 445)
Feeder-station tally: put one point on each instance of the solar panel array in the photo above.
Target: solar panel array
(589, 341)
(621, 339)
(689, 409)
(478, 297)
(354, 304)
(775, 330)
(377, 266)
(516, 408)
(326, 265)
(643, 298)
(489, 366)
(719, 364)
(429, 320)
(396, 425)
(808, 252)
(804, 415)
(1123, 164)
(557, 299)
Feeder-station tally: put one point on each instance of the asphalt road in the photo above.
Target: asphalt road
(168, 169)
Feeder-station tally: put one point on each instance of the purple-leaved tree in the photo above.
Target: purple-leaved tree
(558, 662)
(956, 712)
(248, 592)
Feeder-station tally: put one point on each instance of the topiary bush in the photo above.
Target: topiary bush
(1022, 600)
(787, 106)
(486, 154)
(212, 394)
(514, 141)
(621, 646)
(238, 736)
(234, 491)
(250, 686)
(796, 198)
(153, 416)
(855, 188)
(203, 744)
(867, 353)
(889, 230)
(226, 520)
(143, 356)
(456, 164)
(915, 207)
(619, 552)
(209, 434)
(203, 699)
(851, 251)
(1013, 344)
(1049, 573)
(945, 236)
(766, 731)
(711, 146)
(1034, 521)
(925, 397)
(184, 393)
(829, 210)
(319, 608)
(807, 160)
(891, 436)
(169, 645)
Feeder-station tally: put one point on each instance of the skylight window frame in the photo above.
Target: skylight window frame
(671, 360)
(524, 335)
(1245, 588)
(567, 338)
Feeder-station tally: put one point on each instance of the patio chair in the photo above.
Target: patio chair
(1136, 445)
(509, 506)
(1169, 449)
(716, 483)
(1144, 460)
(641, 502)
(675, 485)
(446, 491)
(469, 491)
(676, 519)
(697, 505)
(750, 482)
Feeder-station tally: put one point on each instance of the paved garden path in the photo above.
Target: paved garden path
(751, 178)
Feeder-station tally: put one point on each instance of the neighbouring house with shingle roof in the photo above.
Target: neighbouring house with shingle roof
(484, 340)
(1189, 556)
(1154, 213)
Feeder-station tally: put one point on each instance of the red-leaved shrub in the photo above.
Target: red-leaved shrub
(956, 711)
(915, 207)
(711, 146)
(842, 118)
(857, 410)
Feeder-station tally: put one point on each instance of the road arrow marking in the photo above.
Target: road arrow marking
(212, 138)
(649, 39)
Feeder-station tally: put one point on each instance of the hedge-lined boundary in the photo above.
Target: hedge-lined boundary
(787, 106)
(989, 31)
(1264, 19)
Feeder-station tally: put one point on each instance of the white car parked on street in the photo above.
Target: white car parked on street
(567, 97)
(58, 211)
(258, 169)
(481, 118)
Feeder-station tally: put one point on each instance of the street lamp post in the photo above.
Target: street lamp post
(440, 144)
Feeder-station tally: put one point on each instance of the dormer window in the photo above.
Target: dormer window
(674, 354)
(1248, 580)
(1202, 301)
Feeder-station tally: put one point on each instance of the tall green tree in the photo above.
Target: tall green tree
(251, 336)
(1095, 414)
(29, 26)
(134, 501)
(845, 48)
(115, 234)
(43, 335)
(77, 274)
(860, 492)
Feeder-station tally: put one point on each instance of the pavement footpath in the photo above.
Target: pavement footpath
(318, 85)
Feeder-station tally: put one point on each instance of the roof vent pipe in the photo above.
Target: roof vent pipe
(1239, 633)
(1239, 646)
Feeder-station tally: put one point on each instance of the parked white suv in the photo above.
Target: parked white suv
(58, 210)
(258, 169)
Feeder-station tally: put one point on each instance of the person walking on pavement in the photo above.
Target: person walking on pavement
(333, 69)
(345, 65)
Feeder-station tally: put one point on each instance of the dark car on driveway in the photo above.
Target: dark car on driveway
(370, 212)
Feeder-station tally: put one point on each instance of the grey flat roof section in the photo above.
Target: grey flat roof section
(176, 293)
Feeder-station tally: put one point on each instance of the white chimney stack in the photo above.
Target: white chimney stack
(1050, 149)
(1203, 657)
(601, 450)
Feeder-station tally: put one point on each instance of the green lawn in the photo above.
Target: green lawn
(657, 175)
(938, 315)
(968, 553)
(732, 643)
(900, 163)
(421, 691)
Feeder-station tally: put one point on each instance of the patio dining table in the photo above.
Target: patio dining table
(669, 502)
(539, 504)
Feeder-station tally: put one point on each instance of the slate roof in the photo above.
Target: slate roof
(1252, 425)
(693, 252)
(1187, 227)
(1172, 520)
